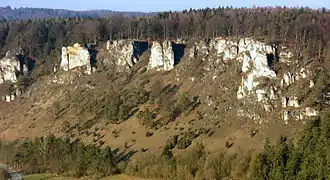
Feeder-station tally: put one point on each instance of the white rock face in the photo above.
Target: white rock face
(259, 84)
(226, 49)
(199, 48)
(123, 51)
(289, 78)
(299, 114)
(76, 56)
(9, 71)
(9, 66)
(255, 57)
(310, 112)
(255, 65)
(162, 56)
(222, 48)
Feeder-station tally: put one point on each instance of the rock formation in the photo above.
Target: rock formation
(11, 67)
(260, 83)
(125, 53)
(162, 56)
(257, 83)
(257, 59)
(76, 56)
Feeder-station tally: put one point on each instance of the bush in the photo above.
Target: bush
(171, 142)
(24, 82)
(146, 118)
(184, 143)
(186, 140)
(149, 134)
(110, 104)
(173, 109)
(167, 153)
(156, 90)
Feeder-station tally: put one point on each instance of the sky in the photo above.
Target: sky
(157, 5)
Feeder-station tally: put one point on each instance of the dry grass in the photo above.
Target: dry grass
(54, 177)
(193, 164)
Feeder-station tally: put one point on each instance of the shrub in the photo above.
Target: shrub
(186, 140)
(146, 118)
(156, 90)
(24, 82)
(174, 108)
(172, 142)
(149, 134)
(167, 153)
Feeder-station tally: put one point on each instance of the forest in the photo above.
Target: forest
(9, 13)
(304, 30)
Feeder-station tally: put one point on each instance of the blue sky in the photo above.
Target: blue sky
(157, 5)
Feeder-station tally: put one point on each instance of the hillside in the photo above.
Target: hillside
(167, 95)
(212, 94)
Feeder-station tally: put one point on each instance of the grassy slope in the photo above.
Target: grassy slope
(50, 106)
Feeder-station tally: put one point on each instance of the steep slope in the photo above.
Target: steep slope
(222, 92)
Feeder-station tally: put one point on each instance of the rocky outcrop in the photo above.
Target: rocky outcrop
(74, 57)
(260, 84)
(165, 55)
(256, 60)
(256, 80)
(289, 78)
(125, 53)
(9, 68)
(12, 66)
(162, 56)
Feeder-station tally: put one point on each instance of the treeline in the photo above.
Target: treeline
(309, 158)
(305, 30)
(54, 155)
(306, 158)
(9, 13)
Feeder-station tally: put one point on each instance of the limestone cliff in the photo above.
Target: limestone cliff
(243, 66)
(162, 56)
(125, 53)
(260, 83)
(11, 67)
(76, 56)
